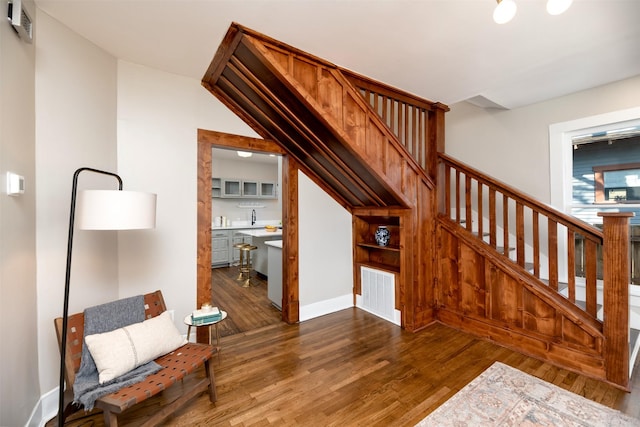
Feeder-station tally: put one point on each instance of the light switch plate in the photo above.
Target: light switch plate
(15, 184)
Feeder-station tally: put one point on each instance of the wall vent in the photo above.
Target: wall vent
(20, 20)
(378, 294)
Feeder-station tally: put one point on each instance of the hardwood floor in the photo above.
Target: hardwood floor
(351, 368)
(247, 308)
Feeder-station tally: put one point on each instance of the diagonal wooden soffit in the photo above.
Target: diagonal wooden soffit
(309, 107)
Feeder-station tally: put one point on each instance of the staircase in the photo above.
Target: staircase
(469, 251)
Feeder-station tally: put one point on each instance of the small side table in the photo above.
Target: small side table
(189, 323)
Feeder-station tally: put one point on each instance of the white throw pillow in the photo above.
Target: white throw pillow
(121, 350)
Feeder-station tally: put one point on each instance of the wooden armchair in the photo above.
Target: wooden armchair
(176, 365)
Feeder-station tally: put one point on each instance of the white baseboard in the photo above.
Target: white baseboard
(45, 409)
(311, 311)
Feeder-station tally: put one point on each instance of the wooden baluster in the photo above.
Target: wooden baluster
(376, 105)
(385, 110)
(399, 123)
(571, 265)
(392, 118)
(467, 203)
(591, 275)
(415, 134)
(536, 243)
(420, 145)
(520, 234)
(553, 254)
(447, 191)
(480, 210)
(616, 295)
(458, 196)
(505, 225)
(405, 134)
(493, 228)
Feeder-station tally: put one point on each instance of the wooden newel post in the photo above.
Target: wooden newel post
(616, 295)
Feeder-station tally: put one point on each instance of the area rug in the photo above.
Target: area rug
(504, 396)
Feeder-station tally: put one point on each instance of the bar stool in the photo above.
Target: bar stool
(239, 246)
(245, 267)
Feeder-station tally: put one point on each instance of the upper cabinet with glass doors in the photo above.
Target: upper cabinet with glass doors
(246, 189)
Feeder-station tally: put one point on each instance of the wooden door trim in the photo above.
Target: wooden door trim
(208, 139)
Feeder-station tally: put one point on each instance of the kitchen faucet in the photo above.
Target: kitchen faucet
(253, 216)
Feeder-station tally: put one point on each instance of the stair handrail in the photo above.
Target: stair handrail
(584, 229)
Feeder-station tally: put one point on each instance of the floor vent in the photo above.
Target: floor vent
(378, 294)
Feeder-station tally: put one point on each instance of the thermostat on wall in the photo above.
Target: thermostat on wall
(15, 184)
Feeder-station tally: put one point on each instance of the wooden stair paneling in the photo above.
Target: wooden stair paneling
(481, 293)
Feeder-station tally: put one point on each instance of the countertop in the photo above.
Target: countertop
(258, 225)
(238, 227)
(274, 243)
(261, 232)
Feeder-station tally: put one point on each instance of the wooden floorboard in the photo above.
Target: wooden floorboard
(351, 368)
(247, 308)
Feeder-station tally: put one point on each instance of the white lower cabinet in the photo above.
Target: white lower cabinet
(223, 253)
(220, 248)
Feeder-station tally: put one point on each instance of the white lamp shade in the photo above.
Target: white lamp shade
(115, 210)
(504, 11)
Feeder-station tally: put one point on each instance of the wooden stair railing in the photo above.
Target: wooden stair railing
(529, 232)
(405, 114)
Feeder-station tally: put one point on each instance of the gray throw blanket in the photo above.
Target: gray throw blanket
(105, 318)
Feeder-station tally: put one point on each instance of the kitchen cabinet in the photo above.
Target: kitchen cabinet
(268, 190)
(249, 188)
(216, 187)
(231, 188)
(220, 248)
(239, 188)
(223, 253)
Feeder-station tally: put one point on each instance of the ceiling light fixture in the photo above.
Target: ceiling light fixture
(244, 154)
(504, 11)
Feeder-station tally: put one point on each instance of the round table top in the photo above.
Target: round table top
(187, 320)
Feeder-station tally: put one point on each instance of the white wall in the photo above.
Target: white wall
(19, 388)
(513, 145)
(326, 255)
(75, 127)
(158, 117)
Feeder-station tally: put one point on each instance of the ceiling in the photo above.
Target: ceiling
(228, 154)
(441, 50)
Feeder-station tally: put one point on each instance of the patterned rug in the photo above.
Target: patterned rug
(504, 396)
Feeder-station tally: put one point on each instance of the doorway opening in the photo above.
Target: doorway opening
(247, 211)
(207, 140)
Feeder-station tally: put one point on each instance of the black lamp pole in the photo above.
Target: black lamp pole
(65, 310)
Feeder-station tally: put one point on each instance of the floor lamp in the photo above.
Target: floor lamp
(100, 210)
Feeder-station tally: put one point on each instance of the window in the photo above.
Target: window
(617, 183)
